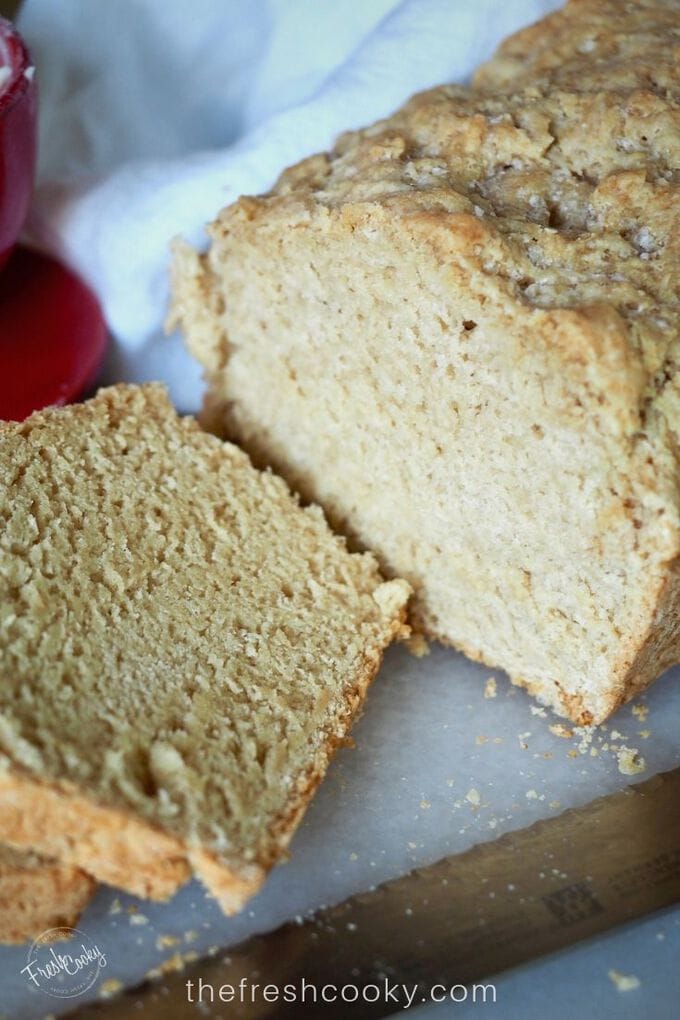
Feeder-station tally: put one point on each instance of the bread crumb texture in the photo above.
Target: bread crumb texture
(458, 332)
(183, 646)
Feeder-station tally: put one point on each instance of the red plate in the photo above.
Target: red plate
(52, 335)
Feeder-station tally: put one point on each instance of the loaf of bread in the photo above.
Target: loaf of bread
(38, 894)
(458, 332)
(183, 646)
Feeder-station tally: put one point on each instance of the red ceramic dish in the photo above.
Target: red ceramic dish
(18, 109)
(52, 335)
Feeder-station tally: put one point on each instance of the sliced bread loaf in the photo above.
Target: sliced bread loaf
(38, 894)
(458, 332)
(183, 647)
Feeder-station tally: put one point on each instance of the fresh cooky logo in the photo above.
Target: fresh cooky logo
(64, 962)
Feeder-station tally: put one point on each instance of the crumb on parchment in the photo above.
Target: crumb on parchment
(417, 646)
(640, 711)
(623, 982)
(167, 942)
(174, 964)
(560, 730)
(631, 763)
(491, 687)
(110, 987)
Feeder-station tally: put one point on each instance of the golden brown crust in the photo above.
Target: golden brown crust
(114, 847)
(583, 39)
(37, 894)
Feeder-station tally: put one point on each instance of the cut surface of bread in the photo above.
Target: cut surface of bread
(458, 332)
(37, 894)
(183, 646)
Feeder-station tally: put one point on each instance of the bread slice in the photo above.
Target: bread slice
(458, 332)
(38, 894)
(183, 647)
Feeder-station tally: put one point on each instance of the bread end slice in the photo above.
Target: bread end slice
(184, 647)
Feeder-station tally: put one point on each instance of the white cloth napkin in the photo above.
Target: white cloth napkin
(156, 113)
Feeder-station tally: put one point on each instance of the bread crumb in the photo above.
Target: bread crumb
(166, 942)
(175, 963)
(110, 987)
(391, 595)
(630, 762)
(138, 919)
(473, 797)
(531, 795)
(417, 646)
(623, 982)
(586, 734)
(490, 687)
(645, 734)
(479, 740)
(538, 710)
(560, 730)
(115, 907)
(640, 711)
(425, 804)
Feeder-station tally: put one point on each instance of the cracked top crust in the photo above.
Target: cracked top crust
(560, 166)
